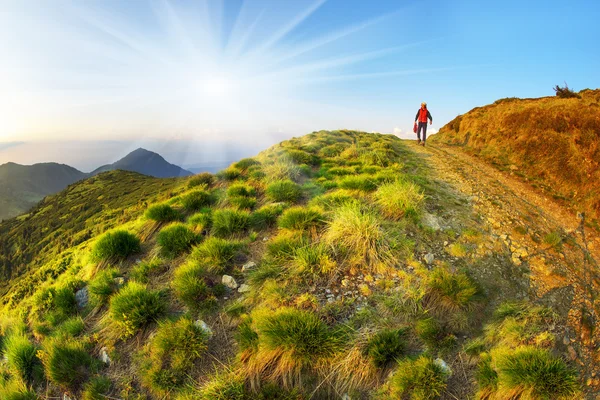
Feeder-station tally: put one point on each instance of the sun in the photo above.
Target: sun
(216, 86)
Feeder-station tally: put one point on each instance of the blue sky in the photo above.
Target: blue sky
(247, 73)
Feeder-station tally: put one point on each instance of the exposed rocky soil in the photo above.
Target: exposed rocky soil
(529, 247)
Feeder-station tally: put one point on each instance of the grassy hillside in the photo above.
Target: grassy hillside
(80, 212)
(552, 141)
(22, 186)
(305, 272)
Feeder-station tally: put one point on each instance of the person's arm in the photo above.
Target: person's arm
(417, 116)
(429, 116)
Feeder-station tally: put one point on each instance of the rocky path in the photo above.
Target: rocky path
(537, 244)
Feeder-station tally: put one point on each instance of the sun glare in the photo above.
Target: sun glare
(216, 86)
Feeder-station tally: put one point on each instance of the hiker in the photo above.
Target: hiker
(422, 115)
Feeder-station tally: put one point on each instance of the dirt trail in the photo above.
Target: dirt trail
(539, 237)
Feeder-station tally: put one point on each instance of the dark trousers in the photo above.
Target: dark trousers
(423, 126)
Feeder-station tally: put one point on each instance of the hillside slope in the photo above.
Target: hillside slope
(553, 142)
(335, 265)
(145, 162)
(22, 186)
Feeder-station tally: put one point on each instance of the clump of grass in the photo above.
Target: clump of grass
(315, 259)
(67, 363)
(135, 307)
(553, 239)
(387, 346)
(457, 250)
(103, 285)
(284, 190)
(358, 182)
(420, 379)
(191, 287)
(171, 354)
(266, 216)
(216, 254)
(281, 169)
(283, 246)
(302, 157)
(434, 334)
(175, 240)
(201, 221)
(118, 244)
(203, 178)
(163, 213)
(245, 163)
(228, 386)
(332, 150)
(329, 201)
(399, 198)
(290, 344)
(450, 293)
(98, 388)
(196, 200)
(360, 231)
(141, 272)
(22, 360)
(242, 203)
(486, 377)
(240, 189)
(71, 328)
(534, 373)
(229, 174)
(300, 218)
(15, 390)
(227, 222)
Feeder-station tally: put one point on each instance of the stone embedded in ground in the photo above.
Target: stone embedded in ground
(442, 364)
(202, 325)
(104, 356)
(431, 221)
(229, 281)
(429, 258)
(244, 288)
(82, 297)
(119, 281)
(248, 266)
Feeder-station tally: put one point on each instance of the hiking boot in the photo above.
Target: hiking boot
(423, 143)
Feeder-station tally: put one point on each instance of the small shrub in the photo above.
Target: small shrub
(535, 373)
(420, 379)
(163, 213)
(134, 307)
(228, 222)
(358, 182)
(118, 244)
(300, 218)
(266, 216)
(285, 190)
(98, 388)
(103, 285)
(387, 346)
(68, 364)
(21, 358)
(399, 198)
(216, 254)
(142, 271)
(195, 200)
(203, 178)
(565, 92)
(175, 240)
(171, 354)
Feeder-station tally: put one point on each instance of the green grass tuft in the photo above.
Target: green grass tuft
(358, 182)
(241, 189)
(117, 244)
(22, 360)
(103, 285)
(216, 254)
(387, 346)
(228, 222)
(284, 190)
(142, 271)
(266, 216)
(67, 363)
(135, 307)
(420, 379)
(98, 388)
(163, 213)
(399, 198)
(191, 287)
(301, 218)
(175, 240)
(196, 200)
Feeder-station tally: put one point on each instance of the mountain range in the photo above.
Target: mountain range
(22, 186)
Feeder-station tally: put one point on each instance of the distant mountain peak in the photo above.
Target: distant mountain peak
(145, 162)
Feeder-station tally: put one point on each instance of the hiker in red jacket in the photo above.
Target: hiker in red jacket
(422, 115)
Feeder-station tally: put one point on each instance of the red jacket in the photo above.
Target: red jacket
(423, 114)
